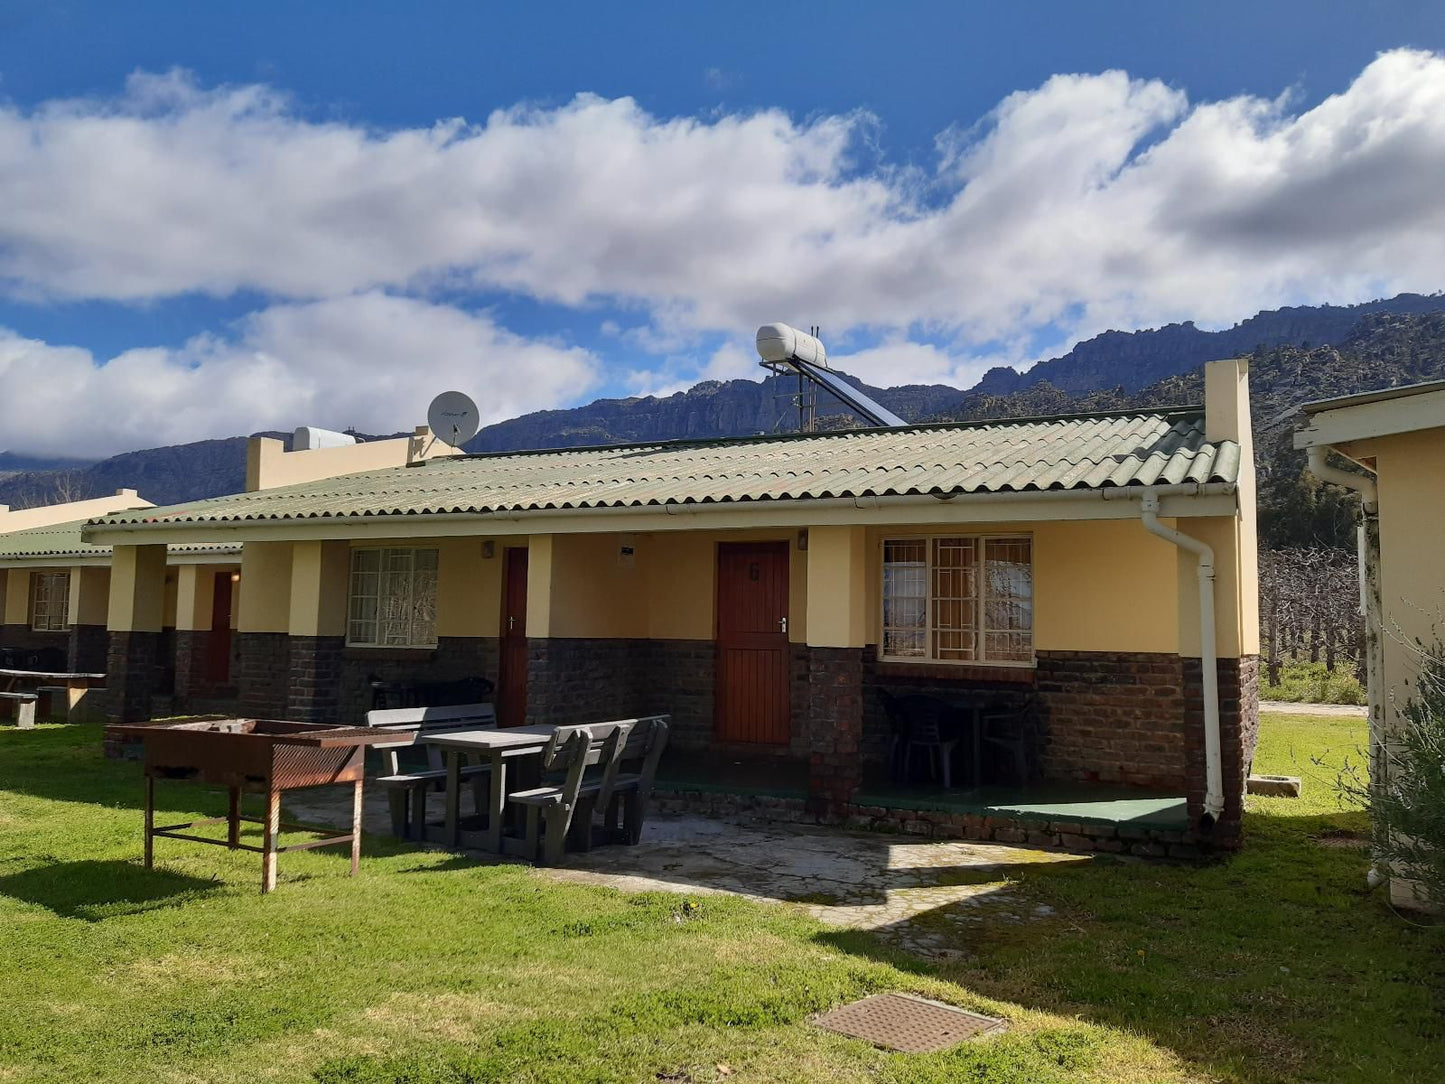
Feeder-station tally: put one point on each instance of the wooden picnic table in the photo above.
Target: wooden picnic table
(10, 678)
(74, 684)
(499, 746)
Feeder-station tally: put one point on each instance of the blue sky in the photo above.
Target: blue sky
(222, 217)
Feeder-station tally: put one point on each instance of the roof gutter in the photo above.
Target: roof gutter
(1367, 547)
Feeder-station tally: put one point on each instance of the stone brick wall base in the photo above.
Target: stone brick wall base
(313, 693)
(835, 725)
(1238, 736)
(131, 670)
(262, 674)
(89, 648)
(24, 638)
(454, 658)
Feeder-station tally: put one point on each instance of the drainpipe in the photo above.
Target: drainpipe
(1368, 547)
(1208, 660)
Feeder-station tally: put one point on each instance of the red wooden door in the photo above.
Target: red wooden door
(512, 666)
(218, 647)
(752, 642)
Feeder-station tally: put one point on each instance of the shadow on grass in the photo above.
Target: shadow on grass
(97, 890)
(1270, 964)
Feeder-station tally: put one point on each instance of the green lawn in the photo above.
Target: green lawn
(1272, 966)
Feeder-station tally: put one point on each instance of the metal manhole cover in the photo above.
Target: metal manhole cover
(913, 1025)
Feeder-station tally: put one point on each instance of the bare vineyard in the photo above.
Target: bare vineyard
(1309, 609)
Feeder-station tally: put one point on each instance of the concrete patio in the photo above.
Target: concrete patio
(919, 894)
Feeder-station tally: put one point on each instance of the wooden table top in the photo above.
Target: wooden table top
(46, 675)
(505, 738)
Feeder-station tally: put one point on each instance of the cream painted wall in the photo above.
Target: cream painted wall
(1104, 585)
(269, 464)
(168, 607)
(594, 592)
(1411, 477)
(320, 572)
(668, 593)
(195, 596)
(17, 596)
(469, 588)
(137, 589)
(49, 514)
(265, 602)
(89, 595)
(837, 587)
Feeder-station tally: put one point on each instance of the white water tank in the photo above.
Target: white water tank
(781, 342)
(308, 438)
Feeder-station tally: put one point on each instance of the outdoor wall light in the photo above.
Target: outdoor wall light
(803, 539)
(489, 550)
(235, 577)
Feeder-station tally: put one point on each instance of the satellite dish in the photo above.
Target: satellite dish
(454, 418)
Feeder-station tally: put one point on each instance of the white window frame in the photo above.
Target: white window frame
(415, 578)
(50, 602)
(930, 657)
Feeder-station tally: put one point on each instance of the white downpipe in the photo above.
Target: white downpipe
(1208, 653)
(1368, 546)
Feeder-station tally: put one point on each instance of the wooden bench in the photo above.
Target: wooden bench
(24, 708)
(550, 807)
(407, 789)
(624, 784)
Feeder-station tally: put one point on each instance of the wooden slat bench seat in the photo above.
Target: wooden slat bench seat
(23, 707)
(407, 788)
(625, 784)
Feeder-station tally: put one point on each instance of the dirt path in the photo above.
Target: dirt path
(1282, 707)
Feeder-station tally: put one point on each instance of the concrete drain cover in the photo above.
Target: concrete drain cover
(913, 1025)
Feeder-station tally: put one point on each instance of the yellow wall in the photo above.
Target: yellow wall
(1411, 479)
(17, 596)
(469, 588)
(269, 464)
(137, 589)
(46, 515)
(89, 595)
(1106, 585)
(265, 602)
(320, 572)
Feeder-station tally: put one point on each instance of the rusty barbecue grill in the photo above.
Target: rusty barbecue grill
(257, 756)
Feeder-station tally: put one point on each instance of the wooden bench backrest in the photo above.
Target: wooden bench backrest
(413, 721)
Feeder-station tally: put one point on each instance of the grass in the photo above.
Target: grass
(1311, 683)
(429, 968)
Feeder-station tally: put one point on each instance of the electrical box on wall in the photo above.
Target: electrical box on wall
(627, 551)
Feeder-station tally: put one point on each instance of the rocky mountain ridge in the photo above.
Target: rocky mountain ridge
(1334, 349)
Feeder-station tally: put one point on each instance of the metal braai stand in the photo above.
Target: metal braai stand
(256, 756)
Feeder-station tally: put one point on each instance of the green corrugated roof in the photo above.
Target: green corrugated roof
(63, 541)
(1075, 452)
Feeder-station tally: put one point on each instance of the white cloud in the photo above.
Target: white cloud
(371, 361)
(1092, 201)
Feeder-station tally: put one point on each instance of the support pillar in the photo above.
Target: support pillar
(317, 626)
(837, 633)
(15, 617)
(134, 613)
(263, 622)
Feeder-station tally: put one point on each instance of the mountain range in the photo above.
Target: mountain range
(1302, 353)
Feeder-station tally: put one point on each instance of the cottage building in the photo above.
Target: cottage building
(763, 590)
(1396, 437)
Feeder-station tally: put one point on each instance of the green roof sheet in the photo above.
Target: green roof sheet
(1076, 452)
(63, 541)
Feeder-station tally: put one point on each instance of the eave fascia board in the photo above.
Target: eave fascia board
(1363, 421)
(1187, 501)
